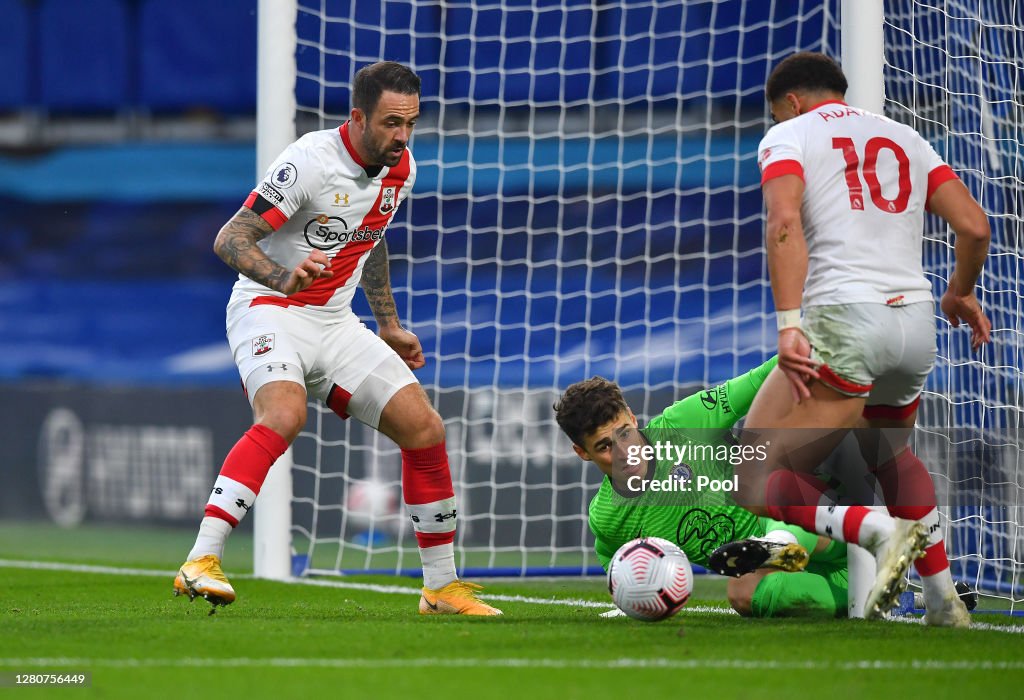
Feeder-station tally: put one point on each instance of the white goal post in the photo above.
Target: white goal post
(275, 129)
(588, 203)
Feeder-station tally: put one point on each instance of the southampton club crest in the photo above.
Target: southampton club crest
(387, 200)
(263, 344)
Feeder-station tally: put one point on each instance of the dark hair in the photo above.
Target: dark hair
(813, 72)
(586, 406)
(375, 78)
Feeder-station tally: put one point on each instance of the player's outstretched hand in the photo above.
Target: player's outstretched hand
(307, 272)
(796, 363)
(966, 309)
(406, 344)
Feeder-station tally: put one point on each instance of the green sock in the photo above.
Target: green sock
(783, 594)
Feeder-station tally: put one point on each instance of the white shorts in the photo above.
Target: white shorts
(880, 352)
(340, 361)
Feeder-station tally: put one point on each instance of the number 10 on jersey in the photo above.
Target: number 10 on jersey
(853, 182)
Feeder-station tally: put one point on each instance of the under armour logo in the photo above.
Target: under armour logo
(241, 504)
(441, 517)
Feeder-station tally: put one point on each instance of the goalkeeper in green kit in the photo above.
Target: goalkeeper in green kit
(672, 479)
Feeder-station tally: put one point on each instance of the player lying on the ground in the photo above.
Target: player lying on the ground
(779, 569)
(595, 416)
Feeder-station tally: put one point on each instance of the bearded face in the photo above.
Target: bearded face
(388, 128)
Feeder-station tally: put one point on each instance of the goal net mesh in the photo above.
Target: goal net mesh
(588, 203)
(954, 71)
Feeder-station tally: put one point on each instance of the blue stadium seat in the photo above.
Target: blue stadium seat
(84, 55)
(197, 54)
(14, 53)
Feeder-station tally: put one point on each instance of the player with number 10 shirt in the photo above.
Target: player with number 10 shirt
(846, 193)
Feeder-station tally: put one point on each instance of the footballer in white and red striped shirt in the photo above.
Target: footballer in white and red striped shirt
(320, 195)
(846, 193)
(309, 233)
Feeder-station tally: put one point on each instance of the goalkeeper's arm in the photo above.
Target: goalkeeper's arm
(604, 551)
(721, 406)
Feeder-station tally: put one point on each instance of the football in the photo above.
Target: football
(650, 579)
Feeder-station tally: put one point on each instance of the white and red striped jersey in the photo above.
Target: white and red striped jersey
(318, 195)
(867, 180)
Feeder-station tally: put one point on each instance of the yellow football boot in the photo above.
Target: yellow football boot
(894, 557)
(457, 598)
(204, 578)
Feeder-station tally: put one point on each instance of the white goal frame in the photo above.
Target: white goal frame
(862, 51)
(275, 129)
(862, 44)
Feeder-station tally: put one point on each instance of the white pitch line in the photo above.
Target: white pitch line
(975, 625)
(79, 568)
(325, 583)
(407, 590)
(518, 662)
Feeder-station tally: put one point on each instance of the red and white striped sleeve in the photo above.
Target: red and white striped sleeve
(938, 171)
(780, 153)
(291, 181)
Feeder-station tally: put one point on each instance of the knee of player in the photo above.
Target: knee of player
(750, 493)
(285, 420)
(426, 430)
(740, 593)
(750, 488)
(432, 430)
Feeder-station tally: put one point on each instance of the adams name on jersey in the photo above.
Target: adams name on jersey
(867, 180)
(319, 195)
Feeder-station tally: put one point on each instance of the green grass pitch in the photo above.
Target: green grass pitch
(308, 641)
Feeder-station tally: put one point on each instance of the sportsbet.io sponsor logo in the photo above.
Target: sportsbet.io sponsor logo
(327, 232)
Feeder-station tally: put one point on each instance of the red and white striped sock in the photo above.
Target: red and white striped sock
(793, 497)
(235, 490)
(430, 501)
(910, 493)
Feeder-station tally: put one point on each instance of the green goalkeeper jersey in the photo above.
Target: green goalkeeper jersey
(699, 428)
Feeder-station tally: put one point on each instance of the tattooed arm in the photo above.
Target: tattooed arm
(236, 245)
(377, 287)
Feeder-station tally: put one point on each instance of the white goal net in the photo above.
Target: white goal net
(955, 72)
(588, 203)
